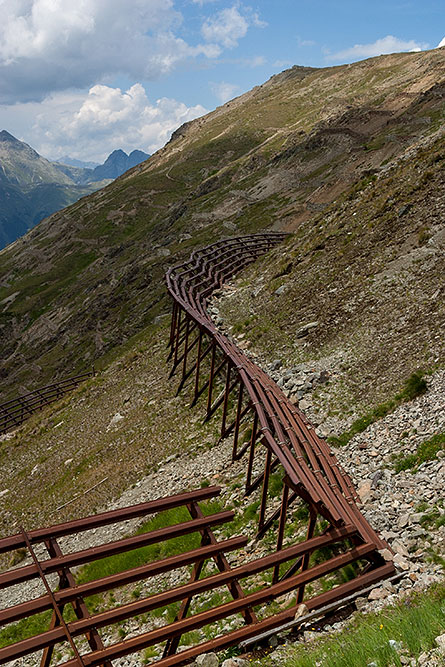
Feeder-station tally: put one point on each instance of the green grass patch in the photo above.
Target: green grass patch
(130, 559)
(413, 624)
(427, 451)
(414, 386)
(27, 627)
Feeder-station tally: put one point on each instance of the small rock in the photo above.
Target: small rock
(305, 330)
(440, 641)
(399, 548)
(235, 662)
(302, 610)
(365, 491)
(400, 562)
(115, 420)
(207, 660)
(378, 594)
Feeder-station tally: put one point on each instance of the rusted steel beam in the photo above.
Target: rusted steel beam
(232, 426)
(204, 618)
(252, 444)
(225, 577)
(198, 391)
(223, 565)
(114, 516)
(66, 579)
(237, 422)
(58, 613)
(281, 527)
(222, 398)
(266, 475)
(111, 548)
(306, 557)
(211, 376)
(227, 390)
(274, 516)
(68, 594)
(172, 643)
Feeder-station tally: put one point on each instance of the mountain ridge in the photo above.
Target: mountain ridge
(23, 174)
(276, 157)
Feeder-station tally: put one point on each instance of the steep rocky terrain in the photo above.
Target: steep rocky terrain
(350, 159)
(88, 278)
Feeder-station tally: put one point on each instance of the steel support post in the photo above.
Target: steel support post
(253, 438)
(306, 557)
(66, 580)
(173, 324)
(266, 476)
(176, 343)
(223, 565)
(211, 377)
(226, 398)
(237, 421)
(281, 527)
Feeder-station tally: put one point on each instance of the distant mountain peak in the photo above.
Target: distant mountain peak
(118, 162)
(7, 137)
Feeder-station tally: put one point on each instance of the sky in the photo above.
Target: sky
(85, 77)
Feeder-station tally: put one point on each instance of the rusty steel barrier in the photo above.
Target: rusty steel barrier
(276, 439)
(14, 412)
(262, 420)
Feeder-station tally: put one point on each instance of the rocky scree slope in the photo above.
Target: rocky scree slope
(87, 279)
(356, 296)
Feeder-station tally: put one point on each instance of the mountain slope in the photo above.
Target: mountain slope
(31, 187)
(90, 277)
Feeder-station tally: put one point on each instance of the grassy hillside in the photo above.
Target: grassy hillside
(369, 271)
(86, 280)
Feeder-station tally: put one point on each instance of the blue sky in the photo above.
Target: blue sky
(84, 78)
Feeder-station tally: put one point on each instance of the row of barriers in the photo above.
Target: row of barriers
(14, 412)
(321, 561)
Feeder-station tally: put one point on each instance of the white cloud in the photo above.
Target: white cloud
(388, 44)
(51, 45)
(255, 61)
(229, 25)
(225, 91)
(226, 28)
(441, 43)
(90, 127)
(305, 42)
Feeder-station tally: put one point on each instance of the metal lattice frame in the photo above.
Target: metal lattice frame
(263, 420)
(271, 435)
